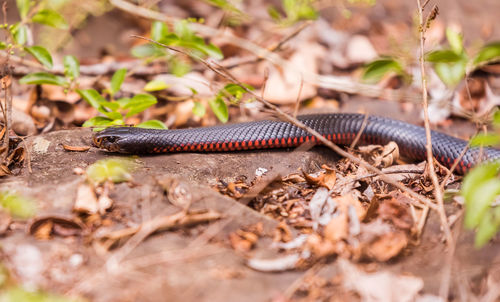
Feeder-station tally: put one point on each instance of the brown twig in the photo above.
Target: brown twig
(276, 47)
(297, 101)
(438, 193)
(286, 117)
(360, 132)
(25, 66)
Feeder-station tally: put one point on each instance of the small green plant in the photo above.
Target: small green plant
(294, 11)
(17, 205)
(481, 188)
(182, 36)
(18, 34)
(374, 71)
(450, 64)
(116, 111)
(232, 15)
(231, 93)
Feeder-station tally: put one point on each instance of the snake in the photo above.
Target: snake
(340, 128)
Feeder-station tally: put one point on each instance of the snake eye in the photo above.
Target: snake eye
(97, 141)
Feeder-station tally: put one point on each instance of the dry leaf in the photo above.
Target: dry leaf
(381, 286)
(320, 247)
(275, 265)
(395, 211)
(338, 228)
(76, 148)
(240, 243)
(86, 200)
(387, 246)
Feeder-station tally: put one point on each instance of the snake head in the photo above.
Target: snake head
(107, 139)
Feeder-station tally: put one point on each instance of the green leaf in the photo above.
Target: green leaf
(152, 124)
(178, 67)
(155, 85)
(112, 115)
(451, 73)
(113, 106)
(488, 53)
(476, 176)
(23, 6)
(38, 78)
(117, 80)
(480, 201)
(456, 40)
(51, 18)
(147, 50)
(485, 139)
(98, 121)
(122, 102)
(374, 71)
(158, 30)
(92, 97)
(199, 109)
(115, 170)
(41, 55)
(17, 205)
(71, 67)
(139, 103)
(274, 13)
(219, 107)
(488, 227)
(20, 33)
(443, 56)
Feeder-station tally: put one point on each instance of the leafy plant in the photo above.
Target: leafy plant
(481, 188)
(231, 93)
(450, 64)
(374, 71)
(232, 15)
(182, 36)
(18, 33)
(294, 11)
(115, 111)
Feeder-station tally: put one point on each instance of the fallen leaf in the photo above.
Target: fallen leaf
(279, 264)
(396, 211)
(76, 148)
(43, 227)
(86, 200)
(381, 286)
(387, 246)
(338, 228)
(239, 243)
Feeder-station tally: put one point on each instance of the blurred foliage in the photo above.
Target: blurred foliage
(480, 189)
(113, 169)
(17, 205)
(183, 37)
(293, 12)
(18, 294)
(451, 64)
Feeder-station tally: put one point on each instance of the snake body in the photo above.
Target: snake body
(340, 128)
